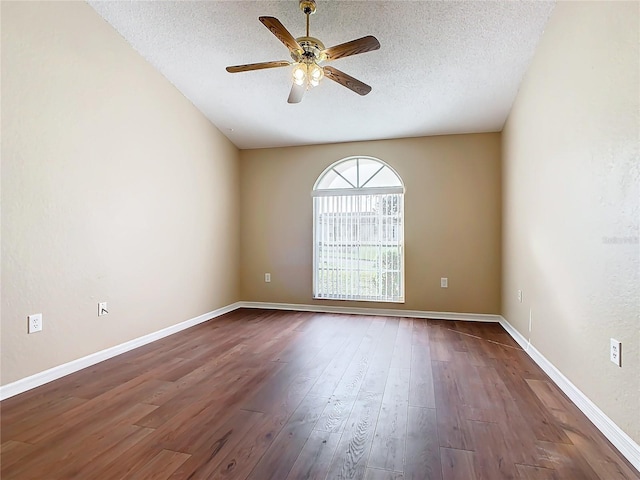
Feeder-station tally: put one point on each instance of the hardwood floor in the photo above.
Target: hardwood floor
(284, 395)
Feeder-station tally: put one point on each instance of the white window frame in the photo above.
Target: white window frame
(356, 189)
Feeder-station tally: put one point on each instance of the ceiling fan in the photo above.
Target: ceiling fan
(308, 54)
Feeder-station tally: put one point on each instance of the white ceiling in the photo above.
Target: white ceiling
(444, 67)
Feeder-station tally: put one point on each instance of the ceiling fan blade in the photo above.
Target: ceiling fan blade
(297, 92)
(257, 66)
(346, 80)
(354, 47)
(274, 25)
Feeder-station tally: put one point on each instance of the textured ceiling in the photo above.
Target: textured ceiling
(444, 67)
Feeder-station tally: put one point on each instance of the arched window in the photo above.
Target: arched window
(358, 234)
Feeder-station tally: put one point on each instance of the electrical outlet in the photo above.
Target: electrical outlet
(34, 323)
(102, 308)
(615, 352)
(267, 277)
(444, 282)
(520, 296)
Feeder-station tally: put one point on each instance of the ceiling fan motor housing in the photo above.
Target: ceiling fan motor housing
(312, 50)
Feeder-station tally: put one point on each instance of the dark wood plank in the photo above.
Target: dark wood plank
(313, 337)
(601, 457)
(224, 383)
(71, 464)
(441, 340)
(397, 386)
(283, 452)
(567, 461)
(387, 453)
(493, 403)
(282, 376)
(315, 364)
(70, 442)
(315, 458)
(375, 474)
(352, 454)
(16, 426)
(241, 460)
(422, 458)
(527, 472)
(457, 464)
(375, 378)
(335, 414)
(387, 449)
(113, 404)
(471, 386)
(243, 457)
(353, 377)
(12, 452)
(453, 428)
(332, 374)
(161, 466)
(493, 458)
(420, 333)
(571, 419)
(541, 421)
(212, 451)
(120, 453)
(401, 357)
(421, 387)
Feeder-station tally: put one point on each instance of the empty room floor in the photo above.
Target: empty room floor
(261, 395)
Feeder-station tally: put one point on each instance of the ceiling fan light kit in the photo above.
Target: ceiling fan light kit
(307, 73)
(308, 53)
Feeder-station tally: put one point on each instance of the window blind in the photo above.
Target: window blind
(358, 246)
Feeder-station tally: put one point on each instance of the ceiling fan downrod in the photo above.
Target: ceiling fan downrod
(308, 7)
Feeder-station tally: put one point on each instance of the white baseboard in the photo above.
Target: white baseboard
(385, 312)
(33, 381)
(623, 442)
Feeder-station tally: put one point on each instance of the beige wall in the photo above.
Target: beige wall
(114, 188)
(452, 220)
(571, 206)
